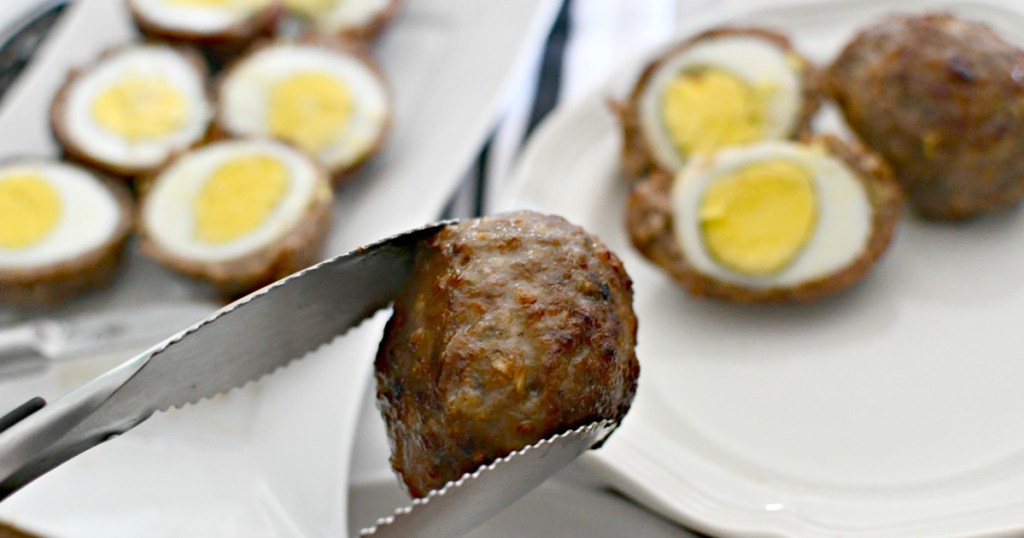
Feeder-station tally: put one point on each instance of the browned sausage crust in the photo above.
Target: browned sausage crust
(11, 532)
(512, 329)
(220, 46)
(649, 219)
(638, 160)
(376, 25)
(941, 99)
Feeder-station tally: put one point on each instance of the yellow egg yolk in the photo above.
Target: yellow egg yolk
(707, 109)
(309, 110)
(238, 197)
(30, 209)
(757, 219)
(309, 8)
(140, 107)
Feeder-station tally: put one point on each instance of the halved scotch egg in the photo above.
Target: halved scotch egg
(62, 230)
(323, 95)
(723, 87)
(134, 107)
(221, 28)
(237, 213)
(768, 222)
(357, 19)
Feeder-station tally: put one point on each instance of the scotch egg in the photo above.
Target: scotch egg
(721, 88)
(941, 98)
(770, 221)
(62, 230)
(221, 28)
(134, 107)
(356, 19)
(237, 213)
(322, 95)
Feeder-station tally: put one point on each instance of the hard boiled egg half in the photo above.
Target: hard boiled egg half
(322, 95)
(220, 27)
(134, 107)
(238, 213)
(62, 230)
(769, 221)
(721, 88)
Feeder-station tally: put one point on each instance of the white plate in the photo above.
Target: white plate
(272, 458)
(893, 409)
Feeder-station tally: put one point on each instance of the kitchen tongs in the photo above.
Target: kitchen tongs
(249, 339)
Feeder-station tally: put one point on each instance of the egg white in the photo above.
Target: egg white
(841, 233)
(88, 217)
(204, 20)
(142, 60)
(751, 59)
(349, 14)
(168, 211)
(244, 98)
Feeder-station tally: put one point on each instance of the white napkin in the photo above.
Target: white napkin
(602, 36)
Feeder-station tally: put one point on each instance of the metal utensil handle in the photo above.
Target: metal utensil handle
(20, 412)
(38, 441)
(17, 415)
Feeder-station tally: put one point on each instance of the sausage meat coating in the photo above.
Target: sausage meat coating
(512, 329)
(941, 99)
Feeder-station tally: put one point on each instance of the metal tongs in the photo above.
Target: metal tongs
(249, 339)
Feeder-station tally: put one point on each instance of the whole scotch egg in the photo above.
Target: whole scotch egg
(357, 19)
(134, 107)
(723, 87)
(768, 222)
(221, 28)
(941, 98)
(62, 230)
(322, 95)
(237, 213)
(510, 329)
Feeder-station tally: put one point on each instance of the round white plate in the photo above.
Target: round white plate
(894, 409)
